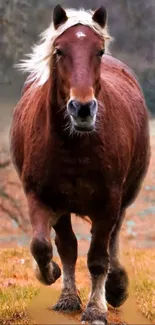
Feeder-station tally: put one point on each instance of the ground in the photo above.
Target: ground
(24, 301)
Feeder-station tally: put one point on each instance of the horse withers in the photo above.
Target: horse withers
(80, 144)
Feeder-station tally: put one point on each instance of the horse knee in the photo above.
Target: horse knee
(41, 250)
(98, 266)
(117, 286)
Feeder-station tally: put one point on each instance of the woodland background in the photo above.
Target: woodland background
(131, 23)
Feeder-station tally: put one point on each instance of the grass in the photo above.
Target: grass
(14, 301)
(142, 264)
(18, 285)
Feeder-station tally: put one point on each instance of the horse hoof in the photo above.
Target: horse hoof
(68, 303)
(94, 316)
(117, 287)
(48, 274)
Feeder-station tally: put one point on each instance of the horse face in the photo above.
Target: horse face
(78, 60)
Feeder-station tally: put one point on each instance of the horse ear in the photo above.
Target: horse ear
(100, 16)
(59, 16)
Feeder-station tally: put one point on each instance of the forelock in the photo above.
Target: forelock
(38, 62)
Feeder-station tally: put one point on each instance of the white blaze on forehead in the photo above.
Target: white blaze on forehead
(80, 34)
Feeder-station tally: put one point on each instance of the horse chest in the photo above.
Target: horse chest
(79, 194)
(75, 176)
(78, 184)
(77, 187)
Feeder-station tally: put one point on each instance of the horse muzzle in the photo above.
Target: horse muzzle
(83, 115)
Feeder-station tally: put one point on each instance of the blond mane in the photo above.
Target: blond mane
(38, 62)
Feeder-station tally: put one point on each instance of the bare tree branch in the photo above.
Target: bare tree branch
(4, 164)
(8, 203)
(12, 216)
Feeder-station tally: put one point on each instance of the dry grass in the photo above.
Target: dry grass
(18, 285)
(142, 263)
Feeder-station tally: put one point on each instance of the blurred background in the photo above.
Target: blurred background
(131, 23)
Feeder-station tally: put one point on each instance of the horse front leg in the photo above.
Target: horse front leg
(42, 218)
(99, 262)
(66, 243)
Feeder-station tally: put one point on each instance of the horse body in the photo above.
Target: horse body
(65, 170)
(96, 173)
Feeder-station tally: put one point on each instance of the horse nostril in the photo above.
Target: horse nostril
(88, 109)
(93, 107)
(73, 107)
(84, 111)
(77, 109)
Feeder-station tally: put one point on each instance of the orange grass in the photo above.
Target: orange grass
(18, 285)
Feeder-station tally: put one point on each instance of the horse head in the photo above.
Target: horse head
(77, 59)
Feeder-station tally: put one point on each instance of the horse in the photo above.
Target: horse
(80, 144)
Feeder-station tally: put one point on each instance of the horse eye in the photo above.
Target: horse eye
(101, 52)
(58, 52)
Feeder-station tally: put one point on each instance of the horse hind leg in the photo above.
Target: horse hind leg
(46, 270)
(117, 280)
(66, 243)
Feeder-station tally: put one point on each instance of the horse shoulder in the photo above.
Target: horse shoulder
(122, 94)
(21, 124)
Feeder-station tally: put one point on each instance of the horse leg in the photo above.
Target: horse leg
(117, 280)
(42, 218)
(66, 243)
(98, 263)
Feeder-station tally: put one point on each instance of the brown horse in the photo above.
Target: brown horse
(80, 144)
